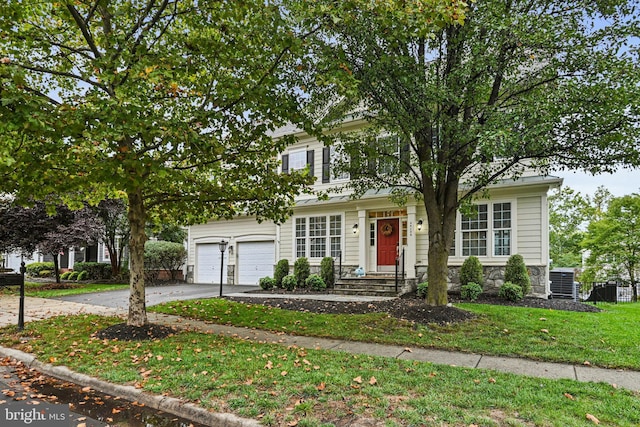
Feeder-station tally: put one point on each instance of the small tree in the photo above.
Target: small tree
(164, 255)
(327, 271)
(471, 272)
(282, 270)
(301, 270)
(516, 273)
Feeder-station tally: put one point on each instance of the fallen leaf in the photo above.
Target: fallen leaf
(546, 331)
(586, 363)
(358, 380)
(492, 380)
(373, 381)
(408, 350)
(569, 396)
(321, 386)
(593, 419)
(284, 373)
(86, 389)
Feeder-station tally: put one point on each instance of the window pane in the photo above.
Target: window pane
(474, 243)
(502, 242)
(477, 220)
(297, 160)
(502, 215)
(301, 241)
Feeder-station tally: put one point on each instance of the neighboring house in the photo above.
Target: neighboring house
(66, 259)
(370, 232)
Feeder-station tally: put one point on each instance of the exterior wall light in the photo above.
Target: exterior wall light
(355, 228)
(420, 224)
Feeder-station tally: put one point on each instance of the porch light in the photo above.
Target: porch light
(355, 228)
(223, 247)
(420, 224)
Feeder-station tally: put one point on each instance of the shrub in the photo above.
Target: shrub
(267, 283)
(282, 270)
(95, 270)
(73, 275)
(471, 291)
(301, 270)
(510, 291)
(65, 275)
(422, 289)
(35, 268)
(83, 275)
(162, 255)
(516, 273)
(45, 273)
(315, 282)
(471, 271)
(289, 282)
(327, 271)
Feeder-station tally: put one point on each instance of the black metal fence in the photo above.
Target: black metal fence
(614, 292)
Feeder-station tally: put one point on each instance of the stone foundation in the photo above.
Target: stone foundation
(493, 279)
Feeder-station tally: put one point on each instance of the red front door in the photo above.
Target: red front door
(388, 239)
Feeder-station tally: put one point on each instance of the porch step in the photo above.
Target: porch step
(370, 285)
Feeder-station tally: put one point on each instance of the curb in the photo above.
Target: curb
(170, 405)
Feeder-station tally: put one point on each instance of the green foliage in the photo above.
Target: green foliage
(282, 270)
(74, 275)
(422, 289)
(35, 268)
(471, 291)
(516, 272)
(267, 283)
(301, 270)
(65, 275)
(45, 273)
(510, 291)
(289, 282)
(95, 270)
(327, 271)
(83, 275)
(471, 271)
(161, 255)
(315, 282)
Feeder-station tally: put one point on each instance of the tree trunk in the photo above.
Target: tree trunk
(438, 269)
(137, 219)
(56, 267)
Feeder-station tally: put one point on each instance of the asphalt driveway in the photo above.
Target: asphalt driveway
(157, 294)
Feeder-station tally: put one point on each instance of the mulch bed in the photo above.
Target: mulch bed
(124, 332)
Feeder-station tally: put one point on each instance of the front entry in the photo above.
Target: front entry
(387, 242)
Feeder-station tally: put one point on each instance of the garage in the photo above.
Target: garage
(208, 264)
(255, 260)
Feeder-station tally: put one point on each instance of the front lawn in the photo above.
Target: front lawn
(607, 339)
(281, 385)
(53, 290)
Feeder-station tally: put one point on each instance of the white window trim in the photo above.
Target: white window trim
(334, 154)
(490, 231)
(308, 237)
(295, 153)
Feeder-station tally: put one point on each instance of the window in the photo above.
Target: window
(297, 160)
(318, 236)
(476, 227)
(502, 229)
(474, 232)
(331, 157)
(394, 155)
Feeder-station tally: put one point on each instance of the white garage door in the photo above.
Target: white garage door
(255, 260)
(208, 264)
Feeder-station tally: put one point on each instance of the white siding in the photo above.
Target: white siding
(530, 232)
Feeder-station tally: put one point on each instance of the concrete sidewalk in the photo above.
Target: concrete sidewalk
(40, 308)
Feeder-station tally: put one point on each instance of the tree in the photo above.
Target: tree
(166, 105)
(167, 232)
(519, 84)
(27, 229)
(116, 231)
(614, 241)
(516, 272)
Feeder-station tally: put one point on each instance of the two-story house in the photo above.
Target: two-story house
(371, 232)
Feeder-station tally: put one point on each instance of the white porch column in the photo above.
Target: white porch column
(363, 233)
(410, 256)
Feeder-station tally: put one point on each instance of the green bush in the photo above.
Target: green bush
(510, 291)
(289, 282)
(83, 275)
(471, 271)
(327, 271)
(516, 273)
(301, 270)
(73, 275)
(422, 289)
(267, 283)
(65, 275)
(315, 282)
(162, 255)
(95, 270)
(471, 291)
(282, 270)
(45, 273)
(35, 268)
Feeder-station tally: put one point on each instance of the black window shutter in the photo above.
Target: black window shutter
(326, 164)
(285, 163)
(310, 162)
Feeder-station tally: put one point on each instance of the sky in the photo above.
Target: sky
(622, 183)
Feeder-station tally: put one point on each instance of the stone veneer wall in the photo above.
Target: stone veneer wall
(493, 278)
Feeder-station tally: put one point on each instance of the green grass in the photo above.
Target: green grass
(606, 339)
(53, 290)
(286, 385)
